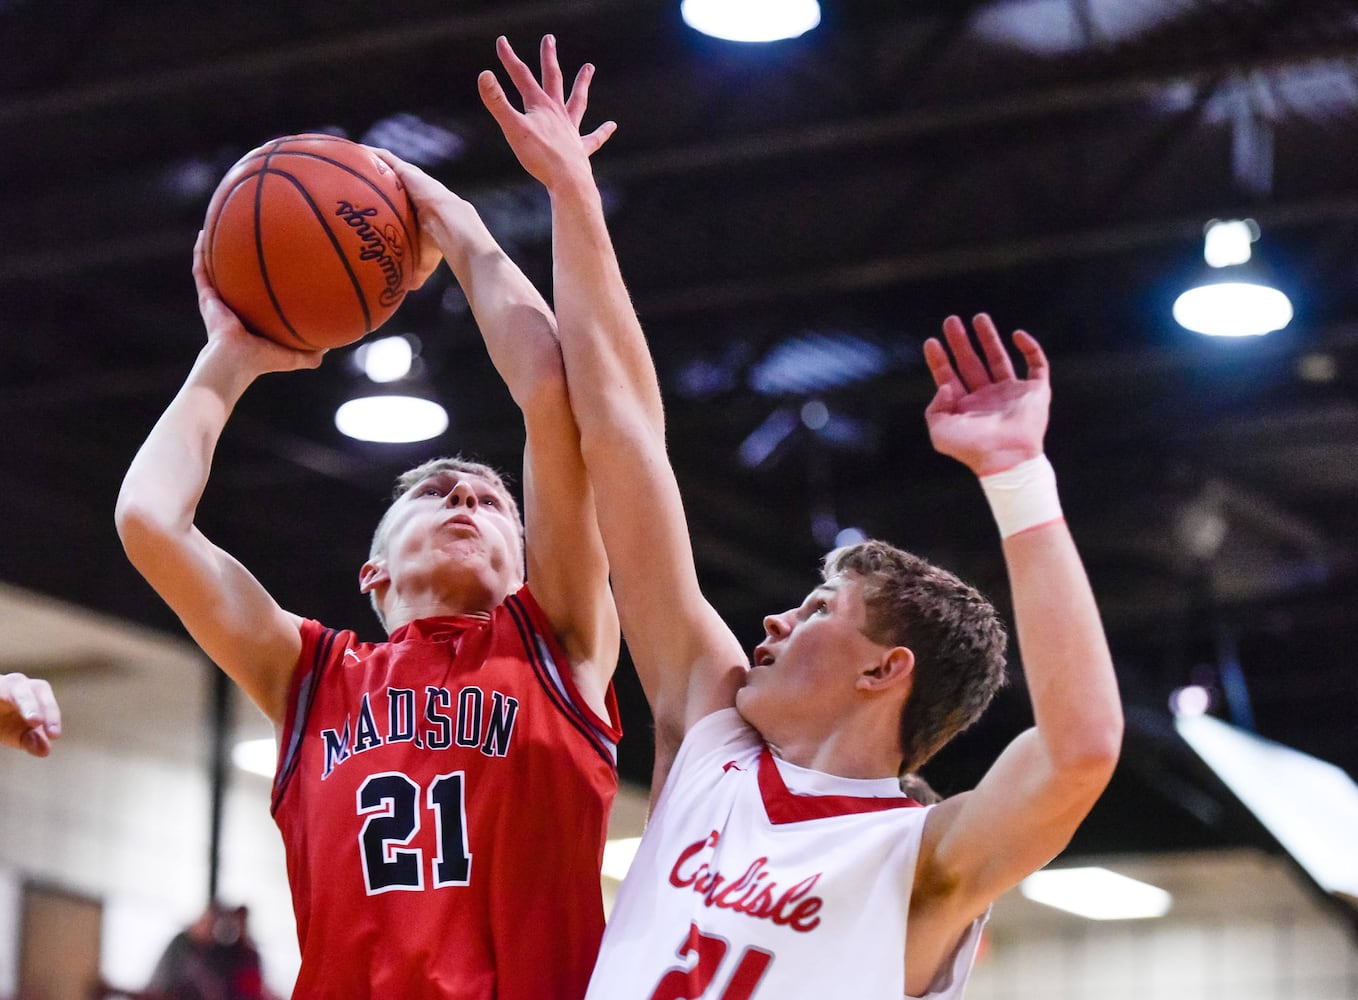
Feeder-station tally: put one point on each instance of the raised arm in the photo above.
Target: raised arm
(688, 660)
(1028, 805)
(29, 717)
(566, 564)
(223, 607)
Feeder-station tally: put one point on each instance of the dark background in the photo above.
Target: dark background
(793, 220)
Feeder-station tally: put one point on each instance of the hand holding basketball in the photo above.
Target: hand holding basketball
(252, 355)
(311, 240)
(425, 194)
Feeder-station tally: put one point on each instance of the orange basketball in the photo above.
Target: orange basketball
(310, 240)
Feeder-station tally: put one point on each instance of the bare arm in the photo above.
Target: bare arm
(688, 660)
(1029, 804)
(29, 717)
(565, 556)
(228, 613)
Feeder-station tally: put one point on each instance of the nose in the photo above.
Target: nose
(461, 495)
(776, 626)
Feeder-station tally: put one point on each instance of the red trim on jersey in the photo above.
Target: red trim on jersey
(783, 806)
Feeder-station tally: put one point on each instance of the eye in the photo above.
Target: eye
(489, 501)
(821, 608)
(431, 491)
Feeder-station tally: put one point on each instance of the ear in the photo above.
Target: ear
(896, 666)
(373, 573)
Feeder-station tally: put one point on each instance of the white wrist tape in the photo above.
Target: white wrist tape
(1023, 496)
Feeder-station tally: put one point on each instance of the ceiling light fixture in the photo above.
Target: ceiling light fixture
(751, 20)
(385, 359)
(1310, 806)
(394, 409)
(391, 418)
(1236, 297)
(1096, 893)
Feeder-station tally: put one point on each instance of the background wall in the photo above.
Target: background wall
(120, 813)
(132, 831)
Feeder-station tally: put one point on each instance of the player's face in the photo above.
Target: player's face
(807, 665)
(454, 523)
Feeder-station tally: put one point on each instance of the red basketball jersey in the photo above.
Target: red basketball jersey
(444, 798)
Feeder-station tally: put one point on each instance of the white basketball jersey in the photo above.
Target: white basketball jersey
(759, 880)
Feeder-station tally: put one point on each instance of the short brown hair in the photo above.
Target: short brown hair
(955, 633)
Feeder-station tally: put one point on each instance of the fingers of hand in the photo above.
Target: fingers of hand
(968, 363)
(992, 346)
(552, 81)
(517, 69)
(940, 365)
(944, 401)
(32, 698)
(579, 99)
(1033, 355)
(598, 137)
(36, 743)
(493, 97)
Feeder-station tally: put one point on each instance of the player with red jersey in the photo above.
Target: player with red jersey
(771, 776)
(443, 796)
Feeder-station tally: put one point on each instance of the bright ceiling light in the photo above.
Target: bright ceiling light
(1192, 699)
(1235, 298)
(386, 359)
(256, 756)
(618, 855)
(751, 20)
(1096, 893)
(1227, 243)
(1233, 309)
(391, 419)
(1309, 805)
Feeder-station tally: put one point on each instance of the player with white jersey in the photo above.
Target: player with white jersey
(784, 881)
(877, 668)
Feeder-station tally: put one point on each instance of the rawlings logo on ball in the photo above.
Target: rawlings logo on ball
(375, 248)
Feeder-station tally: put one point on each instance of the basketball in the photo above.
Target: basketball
(310, 240)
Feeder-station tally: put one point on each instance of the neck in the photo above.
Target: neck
(402, 609)
(851, 750)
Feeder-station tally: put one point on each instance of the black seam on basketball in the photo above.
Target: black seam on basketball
(273, 150)
(212, 223)
(273, 146)
(324, 220)
(357, 175)
(259, 254)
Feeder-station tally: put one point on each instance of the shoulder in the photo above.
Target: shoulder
(321, 643)
(723, 733)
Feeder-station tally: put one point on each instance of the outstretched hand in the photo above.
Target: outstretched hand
(545, 136)
(254, 355)
(29, 717)
(983, 414)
